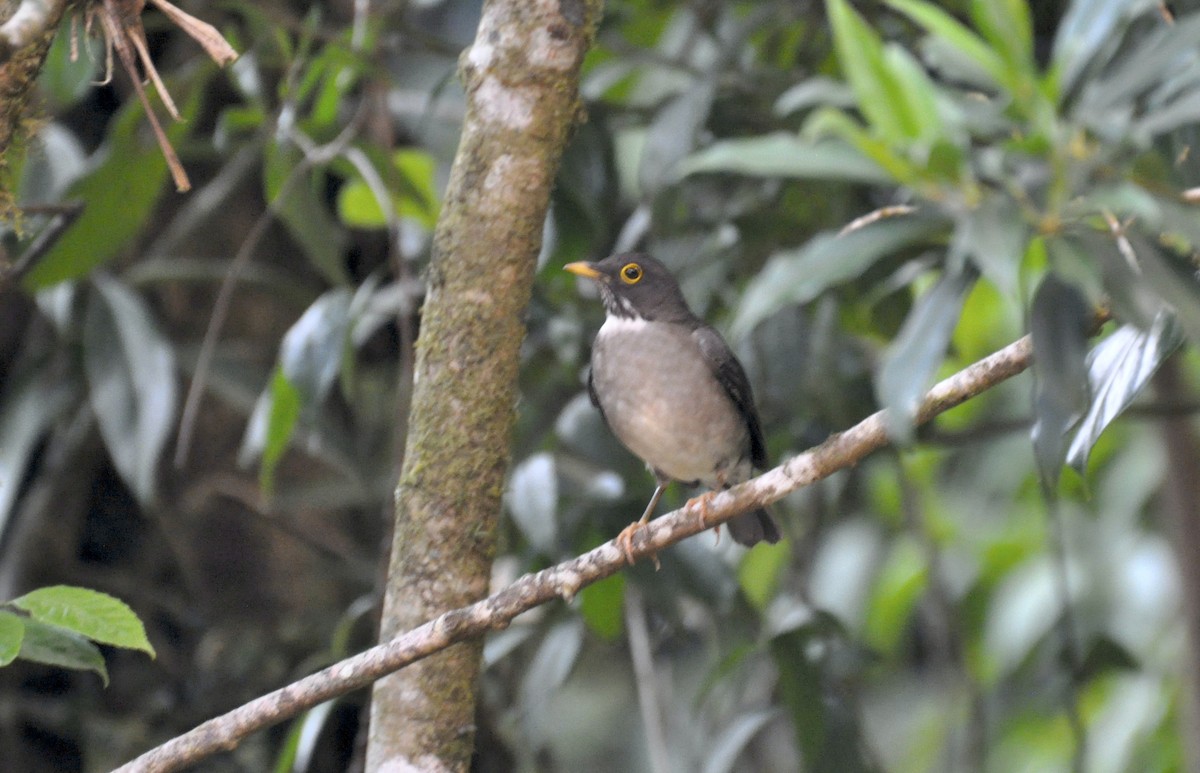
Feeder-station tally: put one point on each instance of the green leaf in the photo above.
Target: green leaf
(1008, 26)
(919, 93)
(1141, 70)
(310, 358)
(995, 237)
(819, 91)
(416, 198)
(601, 606)
(901, 581)
(119, 194)
(12, 633)
(918, 350)
(56, 646)
(1058, 324)
(800, 275)
(953, 34)
(722, 755)
(860, 53)
(783, 154)
(761, 570)
(1088, 29)
(672, 134)
(1118, 368)
(98, 616)
(284, 412)
(301, 207)
(130, 370)
(64, 77)
(829, 122)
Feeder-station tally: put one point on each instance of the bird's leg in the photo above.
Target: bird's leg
(625, 538)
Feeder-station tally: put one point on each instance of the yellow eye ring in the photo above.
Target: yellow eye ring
(631, 273)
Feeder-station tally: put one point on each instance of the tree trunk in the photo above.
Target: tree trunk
(18, 72)
(521, 77)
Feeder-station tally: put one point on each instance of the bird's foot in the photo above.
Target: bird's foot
(701, 505)
(625, 543)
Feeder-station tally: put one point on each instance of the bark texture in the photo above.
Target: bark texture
(25, 38)
(521, 76)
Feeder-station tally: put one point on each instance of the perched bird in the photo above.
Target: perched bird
(671, 390)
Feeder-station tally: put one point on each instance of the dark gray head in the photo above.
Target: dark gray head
(636, 286)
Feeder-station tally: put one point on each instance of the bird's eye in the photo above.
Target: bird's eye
(631, 273)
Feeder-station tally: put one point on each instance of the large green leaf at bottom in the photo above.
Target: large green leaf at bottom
(98, 616)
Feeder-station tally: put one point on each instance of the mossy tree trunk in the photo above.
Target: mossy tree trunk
(18, 72)
(521, 75)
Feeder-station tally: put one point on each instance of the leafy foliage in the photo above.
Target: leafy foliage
(61, 626)
(863, 195)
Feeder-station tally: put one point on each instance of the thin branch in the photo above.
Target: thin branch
(568, 578)
(32, 20)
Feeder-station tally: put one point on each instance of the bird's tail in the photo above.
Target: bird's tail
(752, 528)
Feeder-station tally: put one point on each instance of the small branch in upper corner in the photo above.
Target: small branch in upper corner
(896, 210)
(121, 21)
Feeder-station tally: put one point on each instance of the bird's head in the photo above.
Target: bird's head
(635, 286)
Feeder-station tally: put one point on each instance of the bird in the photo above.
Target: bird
(671, 390)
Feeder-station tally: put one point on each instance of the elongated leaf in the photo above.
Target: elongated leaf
(830, 122)
(553, 661)
(95, 615)
(1159, 52)
(532, 500)
(414, 197)
(954, 34)
(860, 53)
(1008, 27)
(12, 633)
(1118, 368)
(785, 155)
(118, 194)
(819, 91)
(29, 405)
(1177, 288)
(130, 370)
(919, 93)
(915, 355)
(1058, 324)
(729, 743)
(798, 276)
(283, 411)
(56, 646)
(310, 359)
(1088, 30)
(301, 207)
(672, 136)
(995, 237)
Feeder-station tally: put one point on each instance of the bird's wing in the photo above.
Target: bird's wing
(594, 398)
(732, 377)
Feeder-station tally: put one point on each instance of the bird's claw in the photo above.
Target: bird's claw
(625, 543)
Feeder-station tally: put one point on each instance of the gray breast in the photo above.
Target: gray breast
(663, 402)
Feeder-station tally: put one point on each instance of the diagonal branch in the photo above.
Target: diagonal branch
(566, 579)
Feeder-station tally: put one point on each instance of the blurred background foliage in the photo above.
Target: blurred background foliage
(198, 393)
